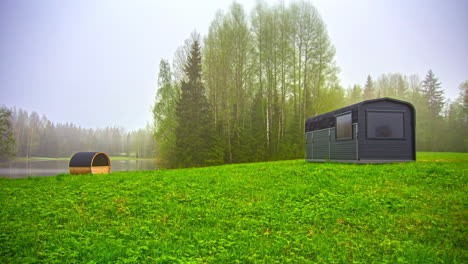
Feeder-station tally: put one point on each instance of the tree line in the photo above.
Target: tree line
(441, 124)
(242, 93)
(31, 135)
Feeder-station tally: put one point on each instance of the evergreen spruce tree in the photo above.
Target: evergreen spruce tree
(369, 89)
(433, 93)
(7, 140)
(197, 143)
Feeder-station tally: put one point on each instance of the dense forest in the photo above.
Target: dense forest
(242, 93)
(35, 136)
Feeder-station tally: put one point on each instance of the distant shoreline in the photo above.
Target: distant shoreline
(48, 158)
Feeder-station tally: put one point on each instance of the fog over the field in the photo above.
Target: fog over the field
(95, 63)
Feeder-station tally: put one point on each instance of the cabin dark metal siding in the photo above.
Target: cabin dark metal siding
(309, 145)
(343, 149)
(321, 143)
(321, 148)
(386, 149)
(327, 120)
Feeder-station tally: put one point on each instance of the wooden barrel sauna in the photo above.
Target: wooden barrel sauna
(90, 163)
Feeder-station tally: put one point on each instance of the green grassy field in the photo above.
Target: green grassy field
(273, 212)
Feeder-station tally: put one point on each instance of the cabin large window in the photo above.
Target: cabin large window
(344, 126)
(385, 124)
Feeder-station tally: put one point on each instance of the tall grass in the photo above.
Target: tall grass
(273, 212)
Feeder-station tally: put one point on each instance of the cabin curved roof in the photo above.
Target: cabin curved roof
(327, 120)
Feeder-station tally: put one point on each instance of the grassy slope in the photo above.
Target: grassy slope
(262, 212)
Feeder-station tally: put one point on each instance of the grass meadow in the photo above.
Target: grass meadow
(271, 212)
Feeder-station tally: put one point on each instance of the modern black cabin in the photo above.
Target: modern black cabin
(373, 131)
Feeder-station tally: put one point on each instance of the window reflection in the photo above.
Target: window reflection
(385, 124)
(344, 127)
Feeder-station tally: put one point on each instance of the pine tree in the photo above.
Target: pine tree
(197, 143)
(433, 93)
(369, 89)
(7, 140)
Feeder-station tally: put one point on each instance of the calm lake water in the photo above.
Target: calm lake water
(39, 168)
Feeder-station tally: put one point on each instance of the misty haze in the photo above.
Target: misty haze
(201, 109)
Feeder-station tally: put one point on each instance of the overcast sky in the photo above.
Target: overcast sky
(94, 63)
